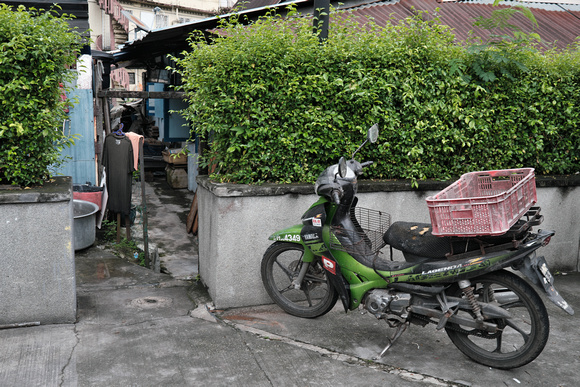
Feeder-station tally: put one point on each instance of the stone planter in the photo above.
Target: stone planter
(37, 254)
(235, 222)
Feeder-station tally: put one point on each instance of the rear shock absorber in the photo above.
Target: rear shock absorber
(467, 289)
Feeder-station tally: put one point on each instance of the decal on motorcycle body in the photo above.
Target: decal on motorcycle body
(316, 221)
(471, 265)
(311, 232)
(288, 238)
(315, 216)
(310, 237)
(329, 265)
(453, 268)
(448, 268)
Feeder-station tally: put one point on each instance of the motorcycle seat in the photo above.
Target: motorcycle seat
(418, 243)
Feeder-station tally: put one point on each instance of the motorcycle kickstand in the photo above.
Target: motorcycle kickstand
(400, 329)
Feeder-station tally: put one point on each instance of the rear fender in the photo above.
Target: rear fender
(536, 270)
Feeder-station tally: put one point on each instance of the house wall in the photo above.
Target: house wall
(165, 14)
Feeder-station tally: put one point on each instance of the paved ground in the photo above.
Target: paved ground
(140, 328)
(167, 213)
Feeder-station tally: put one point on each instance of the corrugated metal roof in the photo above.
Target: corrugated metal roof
(562, 27)
(557, 21)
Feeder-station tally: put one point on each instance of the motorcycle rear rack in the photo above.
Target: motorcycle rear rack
(530, 218)
(517, 233)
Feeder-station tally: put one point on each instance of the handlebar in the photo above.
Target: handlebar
(366, 163)
(336, 194)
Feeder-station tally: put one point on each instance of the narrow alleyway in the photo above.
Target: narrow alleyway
(167, 211)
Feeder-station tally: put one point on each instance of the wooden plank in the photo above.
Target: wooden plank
(141, 94)
(192, 215)
(195, 224)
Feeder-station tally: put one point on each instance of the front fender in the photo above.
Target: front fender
(292, 235)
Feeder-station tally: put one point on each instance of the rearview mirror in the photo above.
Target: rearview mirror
(342, 168)
(373, 133)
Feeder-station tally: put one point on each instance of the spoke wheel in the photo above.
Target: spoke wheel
(281, 265)
(519, 339)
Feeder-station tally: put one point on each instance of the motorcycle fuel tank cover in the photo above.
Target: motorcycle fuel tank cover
(315, 216)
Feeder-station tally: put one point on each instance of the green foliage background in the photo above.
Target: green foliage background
(35, 49)
(278, 106)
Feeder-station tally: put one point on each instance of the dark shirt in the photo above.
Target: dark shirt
(118, 163)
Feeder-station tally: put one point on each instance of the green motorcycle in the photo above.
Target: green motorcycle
(459, 283)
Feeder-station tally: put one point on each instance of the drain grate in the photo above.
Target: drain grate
(151, 302)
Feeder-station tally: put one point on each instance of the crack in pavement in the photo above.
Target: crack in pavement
(204, 312)
(70, 357)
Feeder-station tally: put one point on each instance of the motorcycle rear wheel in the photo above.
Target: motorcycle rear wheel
(521, 338)
(281, 264)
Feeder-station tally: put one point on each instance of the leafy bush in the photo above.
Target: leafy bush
(36, 48)
(278, 106)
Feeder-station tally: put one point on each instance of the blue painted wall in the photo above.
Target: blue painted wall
(80, 164)
(178, 128)
(172, 126)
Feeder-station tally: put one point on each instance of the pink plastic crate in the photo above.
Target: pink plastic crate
(483, 203)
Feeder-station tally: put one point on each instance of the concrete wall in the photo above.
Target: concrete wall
(37, 280)
(235, 222)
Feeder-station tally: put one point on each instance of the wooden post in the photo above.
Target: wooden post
(144, 204)
(107, 113)
(128, 225)
(118, 227)
(99, 139)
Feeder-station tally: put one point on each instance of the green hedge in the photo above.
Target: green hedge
(278, 106)
(36, 47)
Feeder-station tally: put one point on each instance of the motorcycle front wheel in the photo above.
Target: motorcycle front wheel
(281, 265)
(519, 339)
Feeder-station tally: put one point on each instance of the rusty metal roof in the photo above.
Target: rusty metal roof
(562, 26)
(556, 22)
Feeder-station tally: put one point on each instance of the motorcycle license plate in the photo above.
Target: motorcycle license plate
(543, 269)
(547, 280)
